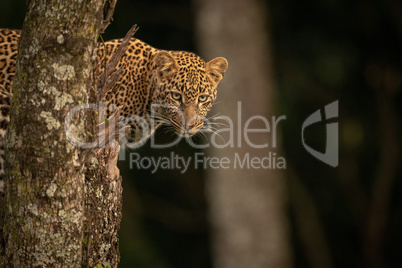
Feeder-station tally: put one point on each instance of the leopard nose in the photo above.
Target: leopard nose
(190, 125)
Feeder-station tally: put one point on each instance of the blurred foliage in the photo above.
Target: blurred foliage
(322, 51)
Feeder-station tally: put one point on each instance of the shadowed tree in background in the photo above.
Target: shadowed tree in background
(247, 206)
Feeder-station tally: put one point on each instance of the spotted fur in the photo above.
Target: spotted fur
(156, 87)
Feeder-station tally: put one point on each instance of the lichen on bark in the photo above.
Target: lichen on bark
(45, 185)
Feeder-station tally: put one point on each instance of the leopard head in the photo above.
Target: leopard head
(185, 89)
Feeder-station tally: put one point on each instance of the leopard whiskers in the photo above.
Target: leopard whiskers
(210, 130)
(216, 102)
(214, 116)
(217, 124)
(161, 118)
(169, 130)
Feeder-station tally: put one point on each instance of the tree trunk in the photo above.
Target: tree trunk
(247, 205)
(48, 217)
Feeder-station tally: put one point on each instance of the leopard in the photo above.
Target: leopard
(156, 87)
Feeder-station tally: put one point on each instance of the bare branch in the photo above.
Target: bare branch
(108, 14)
(105, 82)
(107, 135)
(110, 72)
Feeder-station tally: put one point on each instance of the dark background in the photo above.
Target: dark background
(322, 51)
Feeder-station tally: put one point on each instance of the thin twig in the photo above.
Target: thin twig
(108, 14)
(114, 61)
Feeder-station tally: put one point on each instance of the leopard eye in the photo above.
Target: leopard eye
(176, 96)
(202, 98)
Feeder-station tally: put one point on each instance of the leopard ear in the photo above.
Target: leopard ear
(215, 69)
(166, 65)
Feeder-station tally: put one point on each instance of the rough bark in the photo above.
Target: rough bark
(103, 207)
(45, 212)
(103, 189)
(247, 206)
